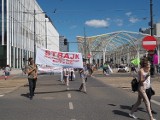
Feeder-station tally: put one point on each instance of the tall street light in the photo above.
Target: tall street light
(151, 17)
(46, 30)
(152, 70)
(34, 28)
(34, 35)
(85, 50)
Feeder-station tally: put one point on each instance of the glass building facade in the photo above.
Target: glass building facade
(23, 25)
(3, 33)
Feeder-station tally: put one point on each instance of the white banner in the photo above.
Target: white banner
(49, 69)
(54, 58)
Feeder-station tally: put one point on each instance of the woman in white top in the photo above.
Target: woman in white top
(144, 83)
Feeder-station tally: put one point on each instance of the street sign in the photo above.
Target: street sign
(149, 43)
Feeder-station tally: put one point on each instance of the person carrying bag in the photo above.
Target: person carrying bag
(144, 83)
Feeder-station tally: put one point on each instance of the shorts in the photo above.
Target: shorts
(7, 73)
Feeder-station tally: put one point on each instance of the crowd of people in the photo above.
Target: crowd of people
(69, 75)
(145, 90)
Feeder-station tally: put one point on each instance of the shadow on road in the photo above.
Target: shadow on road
(57, 91)
(49, 84)
(112, 104)
(129, 108)
(122, 113)
(25, 95)
(118, 112)
(113, 75)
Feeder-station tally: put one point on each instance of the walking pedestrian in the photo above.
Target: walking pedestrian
(7, 70)
(66, 76)
(106, 68)
(83, 75)
(133, 71)
(72, 74)
(31, 70)
(144, 83)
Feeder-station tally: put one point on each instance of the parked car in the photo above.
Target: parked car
(123, 68)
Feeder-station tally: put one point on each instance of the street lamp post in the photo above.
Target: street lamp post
(34, 35)
(46, 31)
(151, 17)
(85, 44)
(34, 29)
(152, 70)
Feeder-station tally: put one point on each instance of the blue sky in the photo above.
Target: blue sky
(70, 17)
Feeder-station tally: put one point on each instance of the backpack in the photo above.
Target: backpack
(134, 84)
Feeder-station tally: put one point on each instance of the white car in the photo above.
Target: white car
(123, 68)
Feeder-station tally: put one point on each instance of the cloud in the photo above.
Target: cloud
(119, 22)
(108, 19)
(129, 14)
(97, 23)
(133, 19)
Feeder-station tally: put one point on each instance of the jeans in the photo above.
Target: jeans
(71, 77)
(83, 85)
(32, 86)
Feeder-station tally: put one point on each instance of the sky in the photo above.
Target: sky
(74, 18)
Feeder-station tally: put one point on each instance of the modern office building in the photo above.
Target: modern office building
(24, 27)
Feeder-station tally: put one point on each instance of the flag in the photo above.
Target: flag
(135, 61)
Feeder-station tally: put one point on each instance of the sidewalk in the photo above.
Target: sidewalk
(16, 80)
(123, 80)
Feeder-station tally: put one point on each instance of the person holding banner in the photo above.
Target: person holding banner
(72, 74)
(66, 76)
(83, 75)
(31, 70)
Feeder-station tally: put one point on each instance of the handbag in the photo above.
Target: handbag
(134, 84)
(152, 91)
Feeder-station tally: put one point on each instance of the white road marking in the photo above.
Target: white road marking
(1, 95)
(70, 105)
(73, 119)
(69, 95)
(149, 43)
(155, 102)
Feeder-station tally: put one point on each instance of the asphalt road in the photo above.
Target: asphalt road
(53, 101)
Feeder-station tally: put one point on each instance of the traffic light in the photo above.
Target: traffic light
(65, 41)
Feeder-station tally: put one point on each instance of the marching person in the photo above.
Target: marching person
(31, 70)
(72, 75)
(66, 76)
(83, 75)
(133, 71)
(106, 68)
(144, 83)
